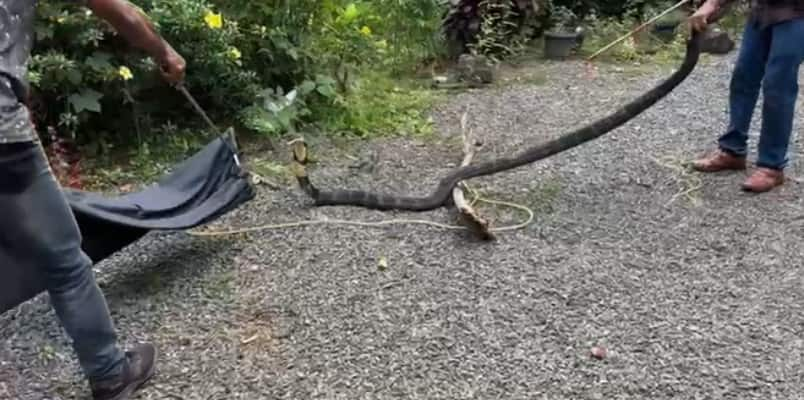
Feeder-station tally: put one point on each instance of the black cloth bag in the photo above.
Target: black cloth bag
(198, 190)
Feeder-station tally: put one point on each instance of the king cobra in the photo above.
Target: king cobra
(441, 196)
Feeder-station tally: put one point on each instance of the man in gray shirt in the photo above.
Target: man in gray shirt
(39, 229)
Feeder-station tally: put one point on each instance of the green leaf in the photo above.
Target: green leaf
(350, 13)
(43, 32)
(326, 91)
(86, 100)
(284, 118)
(293, 53)
(272, 107)
(74, 76)
(99, 61)
(306, 87)
(324, 80)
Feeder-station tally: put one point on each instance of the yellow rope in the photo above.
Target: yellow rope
(300, 156)
(378, 223)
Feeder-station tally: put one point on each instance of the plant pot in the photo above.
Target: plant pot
(559, 45)
(579, 41)
(665, 30)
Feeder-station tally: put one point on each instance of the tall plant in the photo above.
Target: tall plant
(80, 69)
(491, 27)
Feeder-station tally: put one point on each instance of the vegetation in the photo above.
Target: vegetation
(495, 28)
(269, 68)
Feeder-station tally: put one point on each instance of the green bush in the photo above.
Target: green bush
(494, 28)
(267, 65)
(613, 8)
(323, 47)
(88, 83)
(270, 66)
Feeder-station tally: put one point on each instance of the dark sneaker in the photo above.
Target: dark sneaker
(138, 368)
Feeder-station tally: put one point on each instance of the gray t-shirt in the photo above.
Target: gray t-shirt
(17, 19)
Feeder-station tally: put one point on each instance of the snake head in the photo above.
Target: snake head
(299, 148)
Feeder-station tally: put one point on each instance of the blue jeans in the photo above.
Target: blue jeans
(40, 231)
(773, 54)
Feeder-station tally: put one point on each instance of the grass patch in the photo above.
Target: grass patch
(273, 171)
(646, 46)
(124, 167)
(542, 197)
(221, 286)
(381, 106)
(643, 47)
(539, 198)
(526, 74)
(378, 105)
(689, 182)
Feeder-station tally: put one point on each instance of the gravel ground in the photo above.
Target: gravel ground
(693, 287)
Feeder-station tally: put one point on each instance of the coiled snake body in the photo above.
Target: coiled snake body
(441, 195)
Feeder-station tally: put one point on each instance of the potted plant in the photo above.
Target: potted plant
(564, 34)
(665, 27)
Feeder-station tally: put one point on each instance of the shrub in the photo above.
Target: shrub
(268, 65)
(327, 45)
(495, 28)
(82, 73)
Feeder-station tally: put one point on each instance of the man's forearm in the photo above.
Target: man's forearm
(130, 23)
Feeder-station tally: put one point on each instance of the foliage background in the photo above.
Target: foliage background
(276, 66)
(243, 58)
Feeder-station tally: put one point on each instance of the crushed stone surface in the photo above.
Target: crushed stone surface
(694, 289)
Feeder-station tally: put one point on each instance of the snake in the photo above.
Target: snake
(441, 196)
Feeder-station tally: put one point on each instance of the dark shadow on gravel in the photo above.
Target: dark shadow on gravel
(176, 258)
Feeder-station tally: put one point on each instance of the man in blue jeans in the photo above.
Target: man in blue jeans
(770, 55)
(39, 229)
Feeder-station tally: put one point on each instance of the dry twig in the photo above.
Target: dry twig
(468, 215)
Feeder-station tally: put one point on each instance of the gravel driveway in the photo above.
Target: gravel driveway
(693, 287)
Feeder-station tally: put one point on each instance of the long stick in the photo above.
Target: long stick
(639, 28)
(197, 107)
(203, 115)
(476, 223)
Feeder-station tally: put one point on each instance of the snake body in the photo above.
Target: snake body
(441, 195)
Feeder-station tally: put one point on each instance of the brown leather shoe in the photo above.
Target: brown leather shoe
(719, 160)
(138, 368)
(763, 180)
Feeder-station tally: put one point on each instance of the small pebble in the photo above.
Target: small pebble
(599, 352)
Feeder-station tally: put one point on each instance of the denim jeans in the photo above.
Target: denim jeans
(40, 231)
(769, 58)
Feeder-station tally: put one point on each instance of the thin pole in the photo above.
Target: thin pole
(639, 28)
(197, 107)
(203, 115)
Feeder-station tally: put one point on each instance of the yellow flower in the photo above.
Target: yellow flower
(234, 53)
(214, 21)
(365, 30)
(125, 73)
